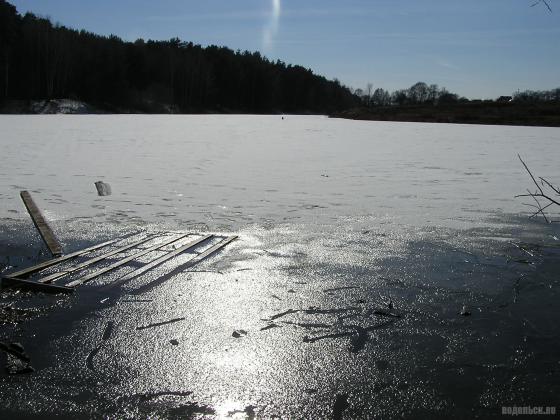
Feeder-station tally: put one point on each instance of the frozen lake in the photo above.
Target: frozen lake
(234, 171)
(336, 218)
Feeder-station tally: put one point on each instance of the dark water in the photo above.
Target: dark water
(314, 322)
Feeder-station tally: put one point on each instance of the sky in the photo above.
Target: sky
(476, 48)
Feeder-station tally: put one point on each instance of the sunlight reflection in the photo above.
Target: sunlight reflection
(236, 359)
(231, 409)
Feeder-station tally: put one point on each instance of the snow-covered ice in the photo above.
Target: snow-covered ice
(237, 170)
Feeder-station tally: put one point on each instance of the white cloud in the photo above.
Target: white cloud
(271, 29)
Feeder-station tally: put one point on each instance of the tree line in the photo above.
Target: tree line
(418, 94)
(537, 96)
(42, 60)
(423, 94)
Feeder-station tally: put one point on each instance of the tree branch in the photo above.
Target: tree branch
(545, 2)
(540, 194)
(532, 177)
(555, 189)
(540, 209)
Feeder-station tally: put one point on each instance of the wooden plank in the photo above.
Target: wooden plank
(46, 264)
(125, 261)
(91, 261)
(161, 260)
(41, 224)
(210, 251)
(34, 286)
(193, 261)
(159, 324)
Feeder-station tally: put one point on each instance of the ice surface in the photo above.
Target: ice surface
(340, 224)
(238, 170)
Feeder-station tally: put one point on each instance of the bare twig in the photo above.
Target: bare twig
(532, 177)
(545, 2)
(540, 209)
(540, 193)
(555, 189)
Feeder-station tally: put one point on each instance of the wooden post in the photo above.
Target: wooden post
(41, 224)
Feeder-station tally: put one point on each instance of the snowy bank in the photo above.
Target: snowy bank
(51, 106)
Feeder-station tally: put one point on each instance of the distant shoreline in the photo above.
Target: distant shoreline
(487, 113)
(483, 113)
(64, 106)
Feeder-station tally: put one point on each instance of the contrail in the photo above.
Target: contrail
(271, 29)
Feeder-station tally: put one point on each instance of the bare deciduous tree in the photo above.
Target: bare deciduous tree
(369, 93)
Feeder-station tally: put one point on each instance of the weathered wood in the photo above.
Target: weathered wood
(46, 264)
(160, 260)
(41, 224)
(159, 324)
(210, 251)
(122, 262)
(192, 262)
(87, 263)
(34, 286)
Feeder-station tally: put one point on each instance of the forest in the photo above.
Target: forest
(41, 60)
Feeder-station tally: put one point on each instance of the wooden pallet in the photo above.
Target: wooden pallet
(46, 284)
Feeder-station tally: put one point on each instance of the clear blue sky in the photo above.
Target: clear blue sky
(477, 48)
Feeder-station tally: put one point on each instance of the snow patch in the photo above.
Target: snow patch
(60, 106)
